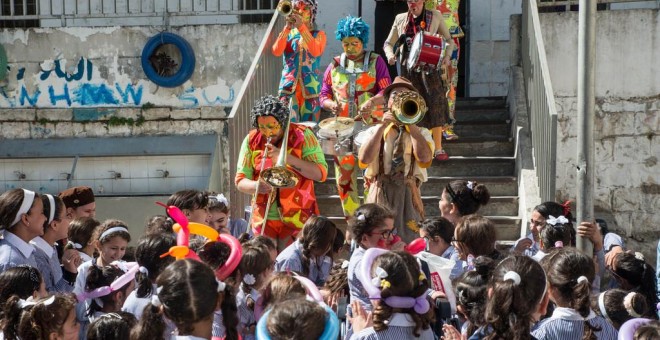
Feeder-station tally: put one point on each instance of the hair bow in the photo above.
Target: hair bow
(221, 199)
(74, 245)
(249, 279)
(154, 297)
(344, 264)
(361, 217)
(556, 220)
(470, 185)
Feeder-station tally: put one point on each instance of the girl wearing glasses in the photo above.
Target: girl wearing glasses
(372, 226)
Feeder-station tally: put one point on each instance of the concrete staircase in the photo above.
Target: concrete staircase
(483, 153)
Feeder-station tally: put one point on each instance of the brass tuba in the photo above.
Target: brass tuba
(408, 107)
(285, 8)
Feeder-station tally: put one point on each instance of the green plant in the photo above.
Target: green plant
(148, 105)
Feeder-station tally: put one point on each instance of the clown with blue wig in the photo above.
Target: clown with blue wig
(352, 86)
(301, 46)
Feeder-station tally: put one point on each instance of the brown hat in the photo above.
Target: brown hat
(399, 82)
(77, 196)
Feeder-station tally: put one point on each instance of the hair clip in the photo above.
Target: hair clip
(221, 285)
(567, 207)
(639, 256)
(344, 264)
(249, 279)
(111, 316)
(559, 244)
(582, 278)
(470, 185)
(360, 217)
(513, 276)
(74, 245)
(379, 279)
(33, 273)
(143, 270)
(556, 220)
(628, 304)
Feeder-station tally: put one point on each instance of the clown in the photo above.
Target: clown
(352, 85)
(290, 207)
(302, 46)
(430, 84)
(449, 10)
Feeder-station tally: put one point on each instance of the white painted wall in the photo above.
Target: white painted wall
(101, 67)
(627, 115)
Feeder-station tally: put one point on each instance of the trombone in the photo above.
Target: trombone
(277, 176)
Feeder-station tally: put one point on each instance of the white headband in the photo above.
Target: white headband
(601, 306)
(112, 230)
(51, 214)
(28, 199)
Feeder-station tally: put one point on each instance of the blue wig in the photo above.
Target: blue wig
(351, 26)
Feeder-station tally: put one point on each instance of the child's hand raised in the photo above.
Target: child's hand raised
(451, 333)
(360, 319)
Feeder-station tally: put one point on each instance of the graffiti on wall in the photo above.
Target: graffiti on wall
(55, 85)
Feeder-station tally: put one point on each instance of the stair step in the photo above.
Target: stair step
(508, 228)
(329, 205)
(482, 115)
(461, 166)
(497, 186)
(493, 147)
(483, 129)
(473, 166)
(480, 102)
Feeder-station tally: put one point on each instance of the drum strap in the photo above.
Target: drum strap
(352, 78)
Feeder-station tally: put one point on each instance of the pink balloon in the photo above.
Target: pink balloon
(311, 288)
(416, 246)
(124, 279)
(176, 214)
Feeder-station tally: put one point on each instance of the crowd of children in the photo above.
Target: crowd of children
(65, 276)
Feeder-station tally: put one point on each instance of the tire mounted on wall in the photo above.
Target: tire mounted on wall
(186, 68)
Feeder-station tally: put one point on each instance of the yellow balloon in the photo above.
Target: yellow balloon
(199, 229)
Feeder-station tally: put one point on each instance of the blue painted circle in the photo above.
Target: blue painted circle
(187, 64)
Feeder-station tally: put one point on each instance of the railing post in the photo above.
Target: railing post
(586, 103)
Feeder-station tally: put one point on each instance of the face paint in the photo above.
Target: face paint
(353, 47)
(269, 126)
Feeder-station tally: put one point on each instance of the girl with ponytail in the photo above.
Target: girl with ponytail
(570, 274)
(516, 299)
(399, 291)
(187, 293)
(147, 255)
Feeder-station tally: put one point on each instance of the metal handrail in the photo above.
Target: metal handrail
(109, 13)
(262, 78)
(540, 100)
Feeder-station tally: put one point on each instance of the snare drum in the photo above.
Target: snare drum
(335, 134)
(426, 52)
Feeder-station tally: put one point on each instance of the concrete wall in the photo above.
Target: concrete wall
(101, 67)
(627, 116)
(489, 46)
